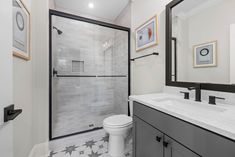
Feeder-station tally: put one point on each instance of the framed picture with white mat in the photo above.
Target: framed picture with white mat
(21, 30)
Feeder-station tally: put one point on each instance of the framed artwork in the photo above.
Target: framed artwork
(146, 35)
(21, 30)
(205, 55)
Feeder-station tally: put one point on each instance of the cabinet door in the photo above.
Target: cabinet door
(147, 140)
(174, 149)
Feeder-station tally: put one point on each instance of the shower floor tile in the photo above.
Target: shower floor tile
(92, 144)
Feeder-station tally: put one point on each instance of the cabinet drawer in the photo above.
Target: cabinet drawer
(199, 140)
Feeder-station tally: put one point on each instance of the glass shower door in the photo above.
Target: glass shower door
(90, 75)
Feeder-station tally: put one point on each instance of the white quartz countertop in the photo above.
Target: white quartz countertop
(218, 118)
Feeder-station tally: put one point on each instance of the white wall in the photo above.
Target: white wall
(40, 79)
(124, 19)
(6, 95)
(148, 74)
(232, 54)
(31, 84)
(22, 95)
(179, 31)
(23, 100)
(52, 4)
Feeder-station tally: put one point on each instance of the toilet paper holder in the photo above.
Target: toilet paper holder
(10, 113)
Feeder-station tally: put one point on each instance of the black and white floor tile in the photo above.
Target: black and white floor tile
(93, 144)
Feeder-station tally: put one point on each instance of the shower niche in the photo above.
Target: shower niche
(89, 73)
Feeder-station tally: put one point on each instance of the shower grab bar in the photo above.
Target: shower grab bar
(155, 53)
(91, 75)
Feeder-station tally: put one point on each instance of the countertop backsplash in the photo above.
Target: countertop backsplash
(229, 97)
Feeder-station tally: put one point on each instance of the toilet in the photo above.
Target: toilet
(117, 127)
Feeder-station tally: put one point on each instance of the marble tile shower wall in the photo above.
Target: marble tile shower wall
(81, 103)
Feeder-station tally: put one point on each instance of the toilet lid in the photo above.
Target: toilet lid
(118, 120)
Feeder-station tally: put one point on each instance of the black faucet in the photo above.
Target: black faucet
(197, 89)
(212, 99)
(186, 95)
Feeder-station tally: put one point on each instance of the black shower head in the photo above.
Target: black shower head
(58, 31)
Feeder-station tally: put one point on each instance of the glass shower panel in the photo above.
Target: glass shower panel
(90, 75)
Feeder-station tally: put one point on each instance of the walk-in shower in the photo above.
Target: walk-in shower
(89, 73)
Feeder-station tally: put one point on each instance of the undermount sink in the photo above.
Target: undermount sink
(188, 106)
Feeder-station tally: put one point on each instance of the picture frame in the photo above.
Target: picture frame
(205, 55)
(21, 30)
(146, 35)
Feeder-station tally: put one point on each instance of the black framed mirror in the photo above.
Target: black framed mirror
(200, 38)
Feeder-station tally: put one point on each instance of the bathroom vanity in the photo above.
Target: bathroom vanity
(198, 57)
(169, 126)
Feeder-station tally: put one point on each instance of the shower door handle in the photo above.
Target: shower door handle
(55, 72)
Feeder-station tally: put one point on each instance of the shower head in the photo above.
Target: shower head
(58, 31)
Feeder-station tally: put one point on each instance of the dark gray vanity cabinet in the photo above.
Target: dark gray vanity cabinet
(178, 138)
(174, 149)
(148, 141)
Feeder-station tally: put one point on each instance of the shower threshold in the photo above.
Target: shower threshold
(73, 134)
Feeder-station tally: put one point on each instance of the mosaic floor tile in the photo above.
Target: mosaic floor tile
(93, 144)
(70, 149)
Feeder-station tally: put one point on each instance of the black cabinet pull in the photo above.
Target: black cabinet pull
(165, 144)
(158, 139)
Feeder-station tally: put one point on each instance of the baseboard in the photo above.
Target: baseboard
(39, 150)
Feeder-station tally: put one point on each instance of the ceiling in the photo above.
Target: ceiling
(105, 9)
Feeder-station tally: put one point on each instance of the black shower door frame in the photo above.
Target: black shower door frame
(91, 21)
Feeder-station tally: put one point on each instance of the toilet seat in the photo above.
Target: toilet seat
(118, 121)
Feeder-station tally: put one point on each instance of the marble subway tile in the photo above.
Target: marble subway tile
(79, 102)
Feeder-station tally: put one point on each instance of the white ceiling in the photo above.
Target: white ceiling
(105, 9)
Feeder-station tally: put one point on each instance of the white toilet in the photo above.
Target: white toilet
(117, 127)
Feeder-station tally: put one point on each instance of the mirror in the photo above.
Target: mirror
(201, 37)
